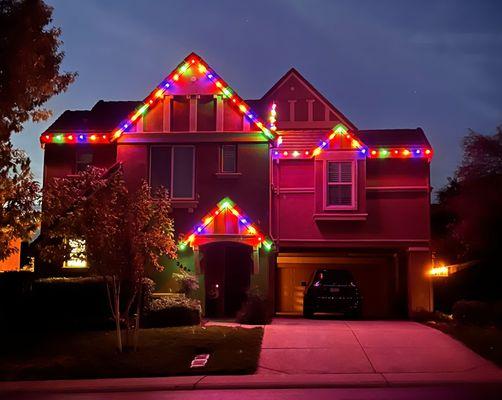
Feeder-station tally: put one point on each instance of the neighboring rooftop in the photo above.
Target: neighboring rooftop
(103, 117)
(394, 137)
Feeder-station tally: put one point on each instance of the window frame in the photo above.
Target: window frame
(221, 159)
(81, 151)
(353, 183)
(171, 180)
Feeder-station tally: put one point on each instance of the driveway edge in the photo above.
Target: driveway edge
(273, 381)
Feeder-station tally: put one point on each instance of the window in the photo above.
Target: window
(183, 172)
(77, 254)
(84, 159)
(160, 168)
(340, 184)
(228, 158)
(173, 168)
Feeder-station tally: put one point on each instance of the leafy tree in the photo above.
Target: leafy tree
(471, 204)
(122, 231)
(30, 75)
(19, 195)
(467, 221)
(30, 62)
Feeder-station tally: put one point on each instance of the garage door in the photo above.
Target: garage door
(376, 276)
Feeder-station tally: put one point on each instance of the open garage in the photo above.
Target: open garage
(380, 276)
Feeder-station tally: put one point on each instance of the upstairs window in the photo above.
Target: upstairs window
(340, 184)
(174, 169)
(183, 177)
(160, 167)
(228, 158)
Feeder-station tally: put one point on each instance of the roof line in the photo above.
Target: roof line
(294, 71)
(173, 77)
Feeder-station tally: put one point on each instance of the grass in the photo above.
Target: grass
(162, 352)
(484, 340)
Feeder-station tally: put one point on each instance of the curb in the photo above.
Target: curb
(233, 382)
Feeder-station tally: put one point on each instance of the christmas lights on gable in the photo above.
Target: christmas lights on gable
(245, 226)
(200, 66)
(340, 131)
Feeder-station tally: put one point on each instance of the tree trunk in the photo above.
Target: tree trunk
(117, 316)
(137, 317)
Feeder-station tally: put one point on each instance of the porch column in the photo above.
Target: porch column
(256, 260)
(196, 260)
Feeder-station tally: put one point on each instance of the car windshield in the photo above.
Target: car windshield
(333, 277)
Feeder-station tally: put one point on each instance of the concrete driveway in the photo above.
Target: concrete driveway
(394, 350)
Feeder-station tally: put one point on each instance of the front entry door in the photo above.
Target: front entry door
(227, 270)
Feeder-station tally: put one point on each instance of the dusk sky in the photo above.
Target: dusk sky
(384, 64)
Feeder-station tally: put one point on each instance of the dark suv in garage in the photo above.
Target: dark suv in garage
(333, 291)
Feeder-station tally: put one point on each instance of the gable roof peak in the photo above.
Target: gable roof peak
(294, 72)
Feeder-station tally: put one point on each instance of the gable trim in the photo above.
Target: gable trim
(192, 61)
(314, 91)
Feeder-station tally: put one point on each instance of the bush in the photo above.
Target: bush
(15, 295)
(472, 313)
(187, 281)
(497, 314)
(71, 303)
(176, 310)
(255, 311)
(427, 316)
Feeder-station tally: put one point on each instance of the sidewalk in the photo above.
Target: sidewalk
(322, 354)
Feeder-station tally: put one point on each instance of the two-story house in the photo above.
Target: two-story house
(265, 191)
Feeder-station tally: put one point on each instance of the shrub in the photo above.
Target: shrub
(470, 312)
(71, 303)
(176, 310)
(255, 310)
(427, 316)
(497, 313)
(15, 295)
(187, 281)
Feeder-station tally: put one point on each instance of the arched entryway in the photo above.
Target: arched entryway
(227, 268)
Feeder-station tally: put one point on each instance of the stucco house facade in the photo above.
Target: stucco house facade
(265, 191)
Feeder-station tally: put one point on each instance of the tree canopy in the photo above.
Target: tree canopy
(19, 195)
(468, 223)
(30, 63)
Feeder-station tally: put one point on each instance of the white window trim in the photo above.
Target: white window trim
(170, 188)
(352, 206)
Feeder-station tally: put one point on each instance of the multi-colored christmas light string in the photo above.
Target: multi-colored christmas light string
(226, 205)
(159, 92)
(341, 131)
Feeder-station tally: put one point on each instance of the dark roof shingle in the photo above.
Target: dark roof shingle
(103, 117)
(394, 137)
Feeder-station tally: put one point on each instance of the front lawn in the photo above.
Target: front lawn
(162, 352)
(484, 340)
